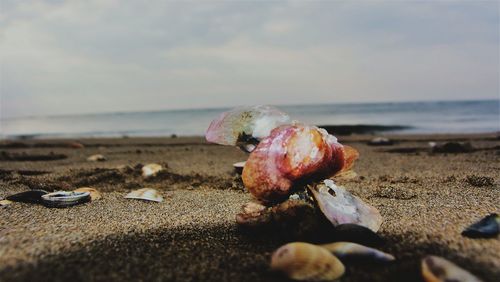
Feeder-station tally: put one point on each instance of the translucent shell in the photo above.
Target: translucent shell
(303, 261)
(245, 126)
(291, 154)
(340, 207)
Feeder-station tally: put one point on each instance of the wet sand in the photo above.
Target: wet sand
(426, 201)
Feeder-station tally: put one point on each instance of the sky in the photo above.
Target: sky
(72, 57)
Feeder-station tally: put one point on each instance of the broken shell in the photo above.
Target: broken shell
(487, 227)
(348, 250)
(303, 261)
(245, 126)
(94, 194)
(4, 203)
(96, 158)
(62, 199)
(294, 154)
(147, 194)
(238, 167)
(151, 170)
(357, 234)
(32, 196)
(339, 206)
(289, 220)
(253, 215)
(438, 269)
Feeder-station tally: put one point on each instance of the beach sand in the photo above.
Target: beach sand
(426, 201)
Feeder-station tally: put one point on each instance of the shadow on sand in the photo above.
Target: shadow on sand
(218, 253)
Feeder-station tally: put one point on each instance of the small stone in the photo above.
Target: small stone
(380, 141)
(451, 147)
(96, 158)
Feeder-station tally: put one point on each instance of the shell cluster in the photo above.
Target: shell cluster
(287, 157)
(284, 154)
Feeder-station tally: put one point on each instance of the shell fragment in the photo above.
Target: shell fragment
(94, 194)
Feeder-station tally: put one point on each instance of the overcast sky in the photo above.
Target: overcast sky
(60, 57)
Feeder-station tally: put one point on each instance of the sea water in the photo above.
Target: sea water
(420, 117)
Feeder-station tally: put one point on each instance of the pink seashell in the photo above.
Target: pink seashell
(293, 154)
(245, 126)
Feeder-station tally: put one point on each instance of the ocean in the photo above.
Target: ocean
(416, 117)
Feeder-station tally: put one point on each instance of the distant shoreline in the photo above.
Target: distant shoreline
(341, 129)
(362, 128)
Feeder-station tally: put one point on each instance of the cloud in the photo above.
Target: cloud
(61, 57)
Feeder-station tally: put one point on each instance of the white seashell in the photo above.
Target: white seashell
(304, 261)
(147, 194)
(340, 207)
(94, 194)
(150, 170)
(353, 250)
(438, 269)
(96, 158)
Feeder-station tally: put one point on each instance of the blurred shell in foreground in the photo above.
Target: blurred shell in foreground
(438, 269)
(245, 126)
(303, 261)
(339, 206)
(147, 194)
